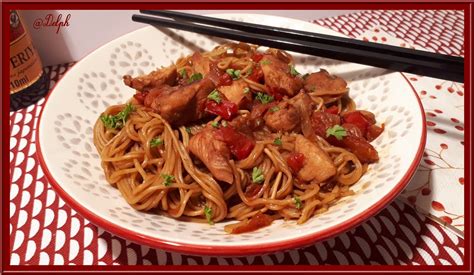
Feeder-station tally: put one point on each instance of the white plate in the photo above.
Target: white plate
(73, 167)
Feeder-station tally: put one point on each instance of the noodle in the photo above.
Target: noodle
(169, 179)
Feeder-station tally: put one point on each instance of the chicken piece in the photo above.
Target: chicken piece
(143, 83)
(257, 114)
(201, 64)
(213, 153)
(181, 104)
(322, 83)
(317, 164)
(150, 96)
(277, 76)
(236, 92)
(281, 55)
(305, 105)
(243, 124)
(284, 119)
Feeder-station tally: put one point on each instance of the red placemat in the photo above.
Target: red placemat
(45, 231)
(440, 31)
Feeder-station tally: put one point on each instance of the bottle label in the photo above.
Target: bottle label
(25, 64)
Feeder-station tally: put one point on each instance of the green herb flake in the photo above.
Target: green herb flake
(155, 142)
(235, 74)
(246, 90)
(109, 121)
(195, 77)
(118, 120)
(183, 73)
(265, 62)
(208, 214)
(278, 141)
(214, 95)
(257, 175)
(293, 71)
(250, 71)
(264, 98)
(168, 179)
(298, 202)
(337, 130)
(188, 130)
(274, 109)
(215, 124)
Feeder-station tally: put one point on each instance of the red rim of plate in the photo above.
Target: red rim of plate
(241, 249)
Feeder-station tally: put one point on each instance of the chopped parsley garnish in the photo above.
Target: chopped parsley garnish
(156, 142)
(274, 109)
(246, 90)
(168, 179)
(264, 98)
(293, 71)
(257, 175)
(195, 77)
(183, 73)
(265, 62)
(337, 130)
(277, 141)
(298, 202)
(215, 124)
(118, 120)
(250, 71)
(235, 74)
(214, 95)
(208, 214)
(188, 130)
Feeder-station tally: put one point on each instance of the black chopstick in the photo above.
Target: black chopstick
(449, 68)
(304, 35)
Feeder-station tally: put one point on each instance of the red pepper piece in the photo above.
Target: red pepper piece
(373, 131)
(225, 80)
(256, 75)
(225, 108)
(332, 110)
(240, 145)
(295, 161)
(358, 119)
(256, 57)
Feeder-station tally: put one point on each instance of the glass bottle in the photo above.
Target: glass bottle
(28, 82)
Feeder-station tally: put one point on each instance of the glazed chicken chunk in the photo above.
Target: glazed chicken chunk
(213, 153)
(277, 76)
(143, 83)
(322, 83)
(180, 104)
(317, 165)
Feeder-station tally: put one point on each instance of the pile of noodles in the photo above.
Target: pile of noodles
(135, 167)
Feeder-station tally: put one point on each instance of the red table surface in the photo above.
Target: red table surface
(43, 230)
